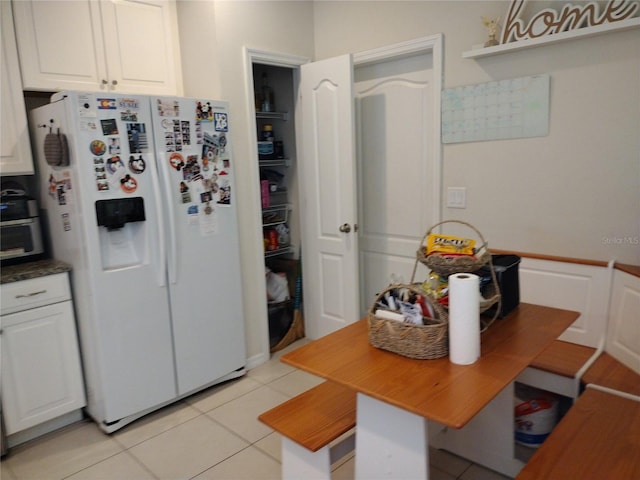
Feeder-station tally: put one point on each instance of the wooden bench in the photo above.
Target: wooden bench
(563, 358)
(559, 368)
(314, 428)
(608, 372)
(593, 366)
(600, 368)
(597, 438)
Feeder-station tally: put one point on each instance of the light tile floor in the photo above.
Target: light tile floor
(211, 435)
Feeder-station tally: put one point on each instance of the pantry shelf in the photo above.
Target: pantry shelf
(273, 115)
(275, 215)
(278, 162)
(279, 251)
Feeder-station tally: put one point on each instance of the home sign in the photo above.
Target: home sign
(569, 17)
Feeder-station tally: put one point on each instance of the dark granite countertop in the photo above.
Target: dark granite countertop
(26, 271)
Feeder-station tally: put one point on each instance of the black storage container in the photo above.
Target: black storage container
(506, 268)
(281, 314)
(280, 320)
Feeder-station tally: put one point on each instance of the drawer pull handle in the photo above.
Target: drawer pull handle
(32, 294)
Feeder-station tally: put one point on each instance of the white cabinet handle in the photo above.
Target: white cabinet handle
(32, 294)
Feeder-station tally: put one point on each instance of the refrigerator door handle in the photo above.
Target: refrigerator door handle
(173, 254)
(162, 247)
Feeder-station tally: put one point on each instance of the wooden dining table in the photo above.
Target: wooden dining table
(398, 396)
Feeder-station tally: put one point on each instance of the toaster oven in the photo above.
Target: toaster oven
(20, 231)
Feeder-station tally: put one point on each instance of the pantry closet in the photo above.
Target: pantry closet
(367, 137)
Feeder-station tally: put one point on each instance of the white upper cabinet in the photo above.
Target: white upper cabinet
(121, 46)
(142, 46)
(15, 149)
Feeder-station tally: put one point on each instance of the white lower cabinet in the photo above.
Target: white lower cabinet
(41, 372)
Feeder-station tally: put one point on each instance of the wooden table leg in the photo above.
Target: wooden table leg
(390, 442)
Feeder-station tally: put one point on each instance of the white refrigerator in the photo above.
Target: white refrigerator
(139, 198)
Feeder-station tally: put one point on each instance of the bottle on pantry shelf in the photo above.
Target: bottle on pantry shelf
(258, 100)
(267, 133)
(271, 239)
(278, 148)
(267, 95)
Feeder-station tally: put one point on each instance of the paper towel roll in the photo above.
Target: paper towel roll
(464, 318)
(387, 315)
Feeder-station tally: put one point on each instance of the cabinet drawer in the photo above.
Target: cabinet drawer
(35, 292)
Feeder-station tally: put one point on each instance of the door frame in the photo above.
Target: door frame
(265, 57)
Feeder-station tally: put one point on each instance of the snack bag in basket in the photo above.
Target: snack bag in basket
(450, 244)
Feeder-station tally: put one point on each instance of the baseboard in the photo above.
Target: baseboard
(257, 360)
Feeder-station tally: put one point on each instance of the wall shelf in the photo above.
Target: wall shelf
(555, 38)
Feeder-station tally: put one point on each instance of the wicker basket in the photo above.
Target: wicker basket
(491, 296)
(423, 342)
(446, 265)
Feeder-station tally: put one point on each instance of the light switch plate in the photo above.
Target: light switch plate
(456, 197)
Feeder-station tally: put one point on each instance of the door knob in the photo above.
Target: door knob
(345, 228)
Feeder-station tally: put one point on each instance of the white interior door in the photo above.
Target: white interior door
(398, 174)
(328, 195)
(394, 187)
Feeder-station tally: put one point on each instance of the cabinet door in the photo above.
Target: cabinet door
(60, 45)
(141, 45)
(15, 153)
(41, 373)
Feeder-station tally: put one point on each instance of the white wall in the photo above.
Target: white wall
(573, 193)
(213, 48)
(199, 49)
